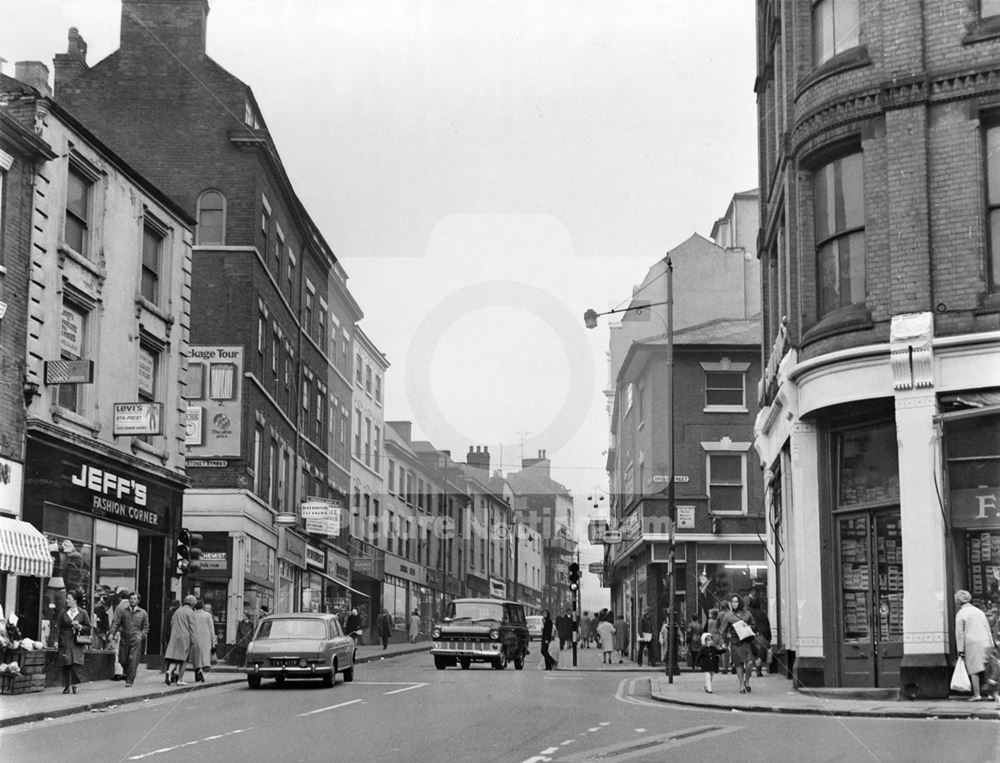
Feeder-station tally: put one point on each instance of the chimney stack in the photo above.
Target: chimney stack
(33, 73)
(69, 65)
(403, 428)
(164, 28)
(479, 458)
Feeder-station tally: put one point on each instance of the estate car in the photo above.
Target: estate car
(300, 645)
(481, 630)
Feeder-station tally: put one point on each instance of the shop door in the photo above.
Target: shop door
(871, 598)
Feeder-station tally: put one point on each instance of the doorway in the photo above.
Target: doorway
(870, 571)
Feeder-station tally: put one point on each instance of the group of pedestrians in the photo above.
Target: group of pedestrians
(738, 638)
(192, 641)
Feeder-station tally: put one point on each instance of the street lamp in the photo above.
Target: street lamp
(590, 320)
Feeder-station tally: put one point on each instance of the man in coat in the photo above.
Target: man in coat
(564, 627)
(183, 627)
(645, 636)
(132, 623)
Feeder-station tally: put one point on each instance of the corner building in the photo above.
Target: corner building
(880, 259)
(272, 320)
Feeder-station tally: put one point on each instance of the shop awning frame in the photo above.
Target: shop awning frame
(341, 584)
(23, 549)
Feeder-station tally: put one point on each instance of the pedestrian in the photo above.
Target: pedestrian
(692, 637)
(973, 639)
(183, 641)
(606, 635)
(131, 625)
(564, 627)
(102, 624)
(712, 626)
(736, 626)
(547, 628)
(708, 658)
(205, 636)
(72, 625)
(585, 630)
(621, 637)
(414, 626)
(384, 627)
(244, 634)
(165, 632)
(645, 635)
(353, 626)
(762, 641)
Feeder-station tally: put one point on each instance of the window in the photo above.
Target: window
(840, 233)
(272, 471)
(321, 326)
(152, 259)
(76, 229)
(989, 8)
(726, 476)
(358, 369)
(279, 244)
(344, 350)
(211, 218)
(378, 389)
(72, 346)
(640, 412)
(993, 202)
(835, 26)
(258, 461)
(306, 394)
(391, 477)
(307, 309)
(725, 385)
(376, 438)
(148, 373)
(291, 272)
(357, 433)
(368, 379)
(368, 441)
(265, 226)
(320, 413)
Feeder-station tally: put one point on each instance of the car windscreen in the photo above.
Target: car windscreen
(292, 629)
(466, 610)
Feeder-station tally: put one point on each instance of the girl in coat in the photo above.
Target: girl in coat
(973, 639)
(707, 658)
(71, 622)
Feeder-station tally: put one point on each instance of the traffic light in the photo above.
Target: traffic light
(188, 552)
(574, 577)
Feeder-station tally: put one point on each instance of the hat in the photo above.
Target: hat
(706, 638)
(963, 596)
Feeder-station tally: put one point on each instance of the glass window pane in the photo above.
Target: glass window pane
(77, 194)
(993, 164)
(989, 8)
(854, 286)
(846, 25)
(727, 470)
(826, 277)
(74, 233)
(822, 28)
(823, 196)
(726, 498)
(995, 247)
(852, 191)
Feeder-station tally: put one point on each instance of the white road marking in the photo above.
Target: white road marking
(594, 728)
(566, 742)
(640, 731)
(331, 707)
(651, 745)
(550, 750)
(536, 759)
(397, 691)
(563, 678)
(187, 744)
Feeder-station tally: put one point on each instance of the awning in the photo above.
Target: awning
(23, 549)
(341, 584)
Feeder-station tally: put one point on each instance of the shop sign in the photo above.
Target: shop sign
(214, 387)
(207, 463)
(685, 517)
(498, 588)
(322, 517)
(291, 547)
(395, 566)
(976, 507)
(213, 561)
(11, 479)
(69, 371)
(596, 568)
(137, 419)
(630, 529)
(315, 557)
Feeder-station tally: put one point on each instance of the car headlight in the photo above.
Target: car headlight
(495, 634)
(436, 633)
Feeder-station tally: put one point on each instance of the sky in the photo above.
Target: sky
(486, 171)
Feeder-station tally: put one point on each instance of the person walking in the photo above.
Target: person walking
(606, 635)
(761, 641)
(973, 639)
(692, 637)
(414, 626)
(384, 627)
(585, 631)
(547, 628)
(101, 624)
(205, 638)
(244, 634)
(736, 625)
(712, 626)
(708, 658)
(131, 625)
(645, 635)
(621, 637)
(353, 626)
(564, 627)
(165, 632)
(183, 642)
(71, 624)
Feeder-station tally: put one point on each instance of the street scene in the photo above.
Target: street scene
(500, 381)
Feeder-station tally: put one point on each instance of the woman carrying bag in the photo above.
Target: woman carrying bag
(73, 629)
(973, 639)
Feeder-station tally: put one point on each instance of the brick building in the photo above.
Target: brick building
(272, 318)
(880, 123)
(108, 295)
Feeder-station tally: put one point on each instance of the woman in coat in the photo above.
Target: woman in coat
(414, 626)
(740, 649)
(972, 639)
(384, 627)
(621, 638)
(205, 636)
(183, 641)
(70, 623)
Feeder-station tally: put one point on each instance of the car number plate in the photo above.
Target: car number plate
(291, 662)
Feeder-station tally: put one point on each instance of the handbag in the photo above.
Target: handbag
(960, 680)
(647, 637)
(83, 639)
(743, 631)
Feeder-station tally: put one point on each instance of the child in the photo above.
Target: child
(708, 658)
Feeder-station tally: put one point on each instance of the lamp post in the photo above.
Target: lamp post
(590, 321)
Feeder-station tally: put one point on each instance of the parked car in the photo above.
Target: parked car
(481, 630)
(535, 627)
(300, 645)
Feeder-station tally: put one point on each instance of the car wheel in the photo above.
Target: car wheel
(519, 662)
(440, 663)
(348, 674)
(330, 678)
(500, 662)
(253, 682)
(465, 662)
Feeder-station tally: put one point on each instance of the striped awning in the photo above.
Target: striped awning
(23, 549)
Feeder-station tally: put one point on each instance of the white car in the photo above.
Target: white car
(534, 627)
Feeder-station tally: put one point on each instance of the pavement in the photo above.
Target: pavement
(771, 693)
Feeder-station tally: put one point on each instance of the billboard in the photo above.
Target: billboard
(215, 401)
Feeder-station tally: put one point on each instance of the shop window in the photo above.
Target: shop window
(839, 207)
(211, 218)
(835, 28)
(76, 230)
(867, 467)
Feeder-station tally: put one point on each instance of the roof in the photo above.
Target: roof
(718, 331)
(523, 483)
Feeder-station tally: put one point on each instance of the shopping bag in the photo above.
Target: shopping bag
(554, 653)
(960, 680)
(743, 631)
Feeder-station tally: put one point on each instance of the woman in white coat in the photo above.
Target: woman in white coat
(205, 636)
(972, 639)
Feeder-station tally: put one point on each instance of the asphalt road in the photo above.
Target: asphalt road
(405, 710)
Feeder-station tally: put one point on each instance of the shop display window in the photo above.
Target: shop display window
(867, 467)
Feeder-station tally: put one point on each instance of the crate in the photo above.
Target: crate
(21, 684)
(30, 662)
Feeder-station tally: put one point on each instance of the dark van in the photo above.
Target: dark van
(481, 630)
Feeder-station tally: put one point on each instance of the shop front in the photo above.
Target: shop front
(211, 582)
(108, 523)
(404, 589)
(291, 568)
(24, 551)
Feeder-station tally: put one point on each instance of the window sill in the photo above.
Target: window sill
(65, 414)
(151, 307)
(988, 304)
(982, 30)
(855, 58)
(724, 409)
(67, 252)
(138, 446)
(843, 321)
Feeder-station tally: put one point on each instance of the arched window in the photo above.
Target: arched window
(211, 218)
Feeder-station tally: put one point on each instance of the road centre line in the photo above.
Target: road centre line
(187, 744)
(399, 691)
(331, 707)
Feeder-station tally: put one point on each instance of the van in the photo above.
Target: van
(481, 630)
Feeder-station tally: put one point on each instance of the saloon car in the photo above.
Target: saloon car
(535, 627)
(299, 645)
(481, 630)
